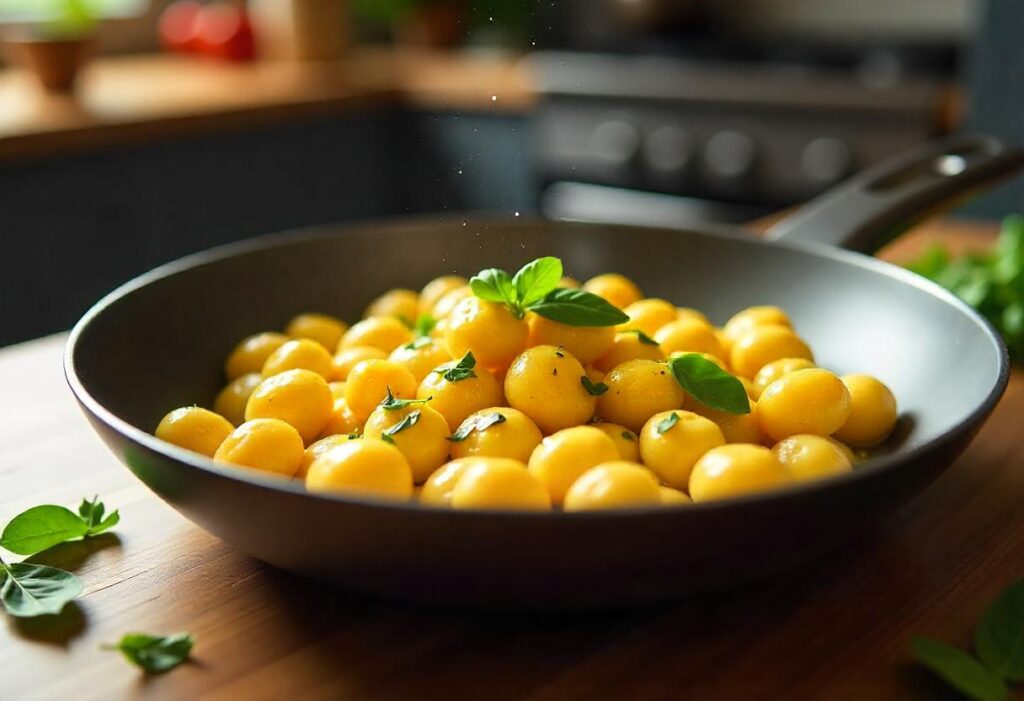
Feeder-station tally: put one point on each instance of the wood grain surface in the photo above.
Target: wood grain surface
(837, 629)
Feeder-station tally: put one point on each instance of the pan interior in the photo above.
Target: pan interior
(159, 343)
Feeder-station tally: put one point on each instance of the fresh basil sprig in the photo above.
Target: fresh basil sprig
(998, 644)
(595, 390)
(28, 590)
(392, 403)
(476, 423)
(535, 289)
(709, 384)
(462, 370)
(155, 653)
(44, 526)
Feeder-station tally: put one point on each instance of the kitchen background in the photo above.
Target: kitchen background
(190, 126)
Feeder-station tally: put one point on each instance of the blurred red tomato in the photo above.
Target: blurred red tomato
(223, 31)
(177, 26)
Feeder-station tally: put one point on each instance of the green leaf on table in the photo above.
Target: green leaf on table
(462, 370)
(29, 590)
(959, 670)
(155, 653)
(92, 513)
(709, 384)
(493, 285)
(536, 279)
(999, 637)
(577, 308)
(42, 527)
(595, 390)
(476, 423)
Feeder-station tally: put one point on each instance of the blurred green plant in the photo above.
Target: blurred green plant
(991, 282)
(508, 15)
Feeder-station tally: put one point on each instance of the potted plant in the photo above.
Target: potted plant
(55, 49)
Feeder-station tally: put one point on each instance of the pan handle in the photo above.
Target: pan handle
(873, 207)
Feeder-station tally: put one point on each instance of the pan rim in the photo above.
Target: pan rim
(258, 479)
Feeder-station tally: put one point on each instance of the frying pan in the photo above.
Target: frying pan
(158, 342)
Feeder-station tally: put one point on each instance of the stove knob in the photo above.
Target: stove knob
(729, 156)
(668, 151)
(825, 160)
(615, 142)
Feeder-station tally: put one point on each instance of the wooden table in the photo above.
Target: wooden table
(837, 629)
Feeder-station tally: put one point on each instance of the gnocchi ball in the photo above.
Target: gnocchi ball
(872, 412)
(804, 401)
(364, 467)
(337, 388)
(384, 332)
(585, 343)
(762, 344)
(776, 369)
(736, 428)
(499, 483)
(545, 383)
(325, 330)
(448, 301)
(626, 442)
(744, 320)
(637, 390)
(689, 336)
(569, 283)
(437, 490)
(649, 315)
(673, 497)
(195, 429)
(250, 355)
(671, 442)
(457, 395)
(298, 397)
(348, 358)
(626, 346)
(810, 457)
(437, 288)
(690, 314)
(300, 354)
(268, 445)
(616, 289)
(317, 449)
(369, 382)
(420, 356)
(563, 457)
(418, 431)
(513, 437)
(613, 485)
(486, 329)
(342, 420)
(736, 469)
(403, 305)
(230, 401)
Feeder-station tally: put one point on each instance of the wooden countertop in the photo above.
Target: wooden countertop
(837, 629)
(132, 99)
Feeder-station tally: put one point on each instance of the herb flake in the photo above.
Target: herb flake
(480, 422)
(667, 423)
(462, 370)
(594, 390)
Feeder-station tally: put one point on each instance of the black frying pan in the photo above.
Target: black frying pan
(158, 342)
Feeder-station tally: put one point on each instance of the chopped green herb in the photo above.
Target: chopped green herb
(391, 403)
(592, 389)
(408, 421)
(462, 370)
(628, 435)
(476, 423)
(560, 351)
(641, 336)
(667, 423)
(155, 653)
(420, 342)
(709, 384)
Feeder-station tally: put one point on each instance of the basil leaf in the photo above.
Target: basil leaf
(476, 423)
(999, 637)
(419, 342)
(641, 336)
(578, 308)
(390, 403)
(592, 389)
(628, 435)
(536, 279)
(423, 326)
(155, 653)
(709, 384)
(408, 421)
(667, 423)
(462, 370)
(42, 527)
(29, 590)
(92, 513)
(493, 285)
(959, 670)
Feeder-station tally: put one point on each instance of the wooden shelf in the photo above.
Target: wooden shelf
(133, 99)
